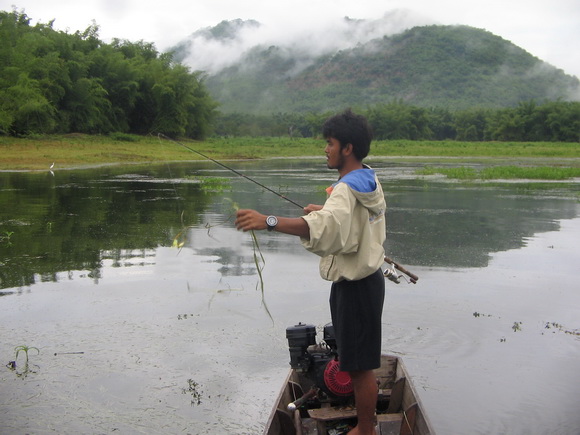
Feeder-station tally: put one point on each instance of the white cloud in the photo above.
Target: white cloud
(548, 30)
(330, 35)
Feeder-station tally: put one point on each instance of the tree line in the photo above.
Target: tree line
(551, 121)
(56, 82)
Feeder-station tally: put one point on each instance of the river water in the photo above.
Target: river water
(127, 333)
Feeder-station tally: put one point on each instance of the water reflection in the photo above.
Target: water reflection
(80, 220)
(131, 329)
(451, 225)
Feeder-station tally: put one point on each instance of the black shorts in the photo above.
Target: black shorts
(356, 308)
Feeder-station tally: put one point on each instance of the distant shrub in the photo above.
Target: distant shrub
(124, 137)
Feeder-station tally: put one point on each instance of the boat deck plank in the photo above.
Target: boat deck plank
(333, 413)
(389, 424)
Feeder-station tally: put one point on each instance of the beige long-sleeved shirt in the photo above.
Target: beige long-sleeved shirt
(349, 232)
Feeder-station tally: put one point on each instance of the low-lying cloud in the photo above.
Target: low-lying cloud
(206, 53)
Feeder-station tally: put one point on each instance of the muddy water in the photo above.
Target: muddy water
(137, 336)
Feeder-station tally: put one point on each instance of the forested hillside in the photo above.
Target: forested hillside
(433, 82)
(455, 67)
(56, 82)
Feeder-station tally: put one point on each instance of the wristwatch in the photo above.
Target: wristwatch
(271, 221)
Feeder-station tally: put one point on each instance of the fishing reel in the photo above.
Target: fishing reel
(318, 362)
(392, 275)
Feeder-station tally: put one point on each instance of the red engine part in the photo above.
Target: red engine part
(338, 383)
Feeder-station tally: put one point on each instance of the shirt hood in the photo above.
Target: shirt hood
(366, 189)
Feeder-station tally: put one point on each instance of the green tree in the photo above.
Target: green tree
(26, 108)
(471, 125)
(55, 81)
(398, 120)
(120, 79)
(88, 107)
(564, 121)
(441, 123)
(506, 125)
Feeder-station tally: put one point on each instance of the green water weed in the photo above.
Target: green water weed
(505, 173)
(24, 349)
(194, 389)
(6, 238)
(211, 184)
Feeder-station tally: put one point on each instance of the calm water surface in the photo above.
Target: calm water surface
(137, 336)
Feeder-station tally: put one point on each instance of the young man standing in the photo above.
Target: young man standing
(348, 233)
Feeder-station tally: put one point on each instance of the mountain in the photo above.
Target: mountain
(455, 67)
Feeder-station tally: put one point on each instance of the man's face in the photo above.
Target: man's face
(333, 151)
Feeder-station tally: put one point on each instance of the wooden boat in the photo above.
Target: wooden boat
(399, 410)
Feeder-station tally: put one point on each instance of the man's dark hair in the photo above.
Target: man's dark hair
(349, 128)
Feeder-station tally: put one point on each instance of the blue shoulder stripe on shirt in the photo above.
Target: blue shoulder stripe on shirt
(361, 180)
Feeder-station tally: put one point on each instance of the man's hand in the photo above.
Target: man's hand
(312, 207)
(247, 220)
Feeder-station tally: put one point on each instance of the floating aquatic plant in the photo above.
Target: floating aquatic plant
(12, 364)
(25, 349)
(211, 184)
(558, 327)
(6, 238)
(195, 391)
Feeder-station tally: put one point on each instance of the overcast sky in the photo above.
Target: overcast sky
(548, 29)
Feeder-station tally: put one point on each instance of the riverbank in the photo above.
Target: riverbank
(79, 150)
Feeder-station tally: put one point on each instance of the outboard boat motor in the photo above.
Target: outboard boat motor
(318, 362)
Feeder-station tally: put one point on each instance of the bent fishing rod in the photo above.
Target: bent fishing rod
(230, 169)
(391, 274)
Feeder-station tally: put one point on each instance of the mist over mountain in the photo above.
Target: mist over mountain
(252, 68)
(226, 44)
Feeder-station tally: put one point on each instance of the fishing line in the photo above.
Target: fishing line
(230, 169)
(168, 166)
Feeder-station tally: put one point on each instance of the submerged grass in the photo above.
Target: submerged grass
(505, 173)
(477, 149)
(211, 184)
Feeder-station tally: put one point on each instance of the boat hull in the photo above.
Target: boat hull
(399, 409)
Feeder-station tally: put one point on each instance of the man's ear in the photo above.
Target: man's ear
(347, 150)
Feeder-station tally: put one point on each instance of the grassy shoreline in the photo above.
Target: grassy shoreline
(77, 150)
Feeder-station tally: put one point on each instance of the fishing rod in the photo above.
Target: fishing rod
(231, 169)
(389, 273)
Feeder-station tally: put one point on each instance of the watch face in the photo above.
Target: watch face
(271, 221)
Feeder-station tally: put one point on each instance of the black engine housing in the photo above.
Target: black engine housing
(318, 362)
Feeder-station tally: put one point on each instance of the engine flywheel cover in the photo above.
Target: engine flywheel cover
(338, 382)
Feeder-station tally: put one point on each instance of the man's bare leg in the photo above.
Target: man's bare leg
(365, 395)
